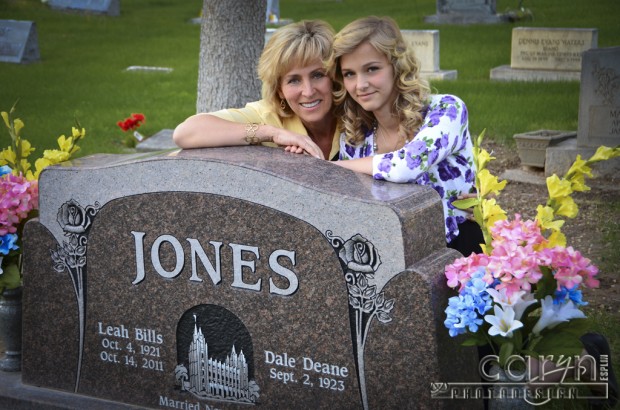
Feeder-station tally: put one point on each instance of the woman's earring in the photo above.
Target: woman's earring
(282, 104)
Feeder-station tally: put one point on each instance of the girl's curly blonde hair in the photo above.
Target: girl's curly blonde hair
(384, 35)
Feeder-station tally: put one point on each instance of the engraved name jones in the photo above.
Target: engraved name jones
(244, 258)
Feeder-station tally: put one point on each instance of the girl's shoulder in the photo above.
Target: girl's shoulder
(444, 100)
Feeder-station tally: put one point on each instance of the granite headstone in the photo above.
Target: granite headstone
(464, 12)
(546, 54)
(599, 114)
(425, 44)
(109, 7)
(222, 278)
(18, 41)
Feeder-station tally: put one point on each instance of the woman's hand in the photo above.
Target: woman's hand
(296, 143)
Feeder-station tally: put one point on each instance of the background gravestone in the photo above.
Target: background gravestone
(599, 115)
(18, 41)
(219, 278)
(546, 54)
(425, 44)
(464, 12)
(109, 7)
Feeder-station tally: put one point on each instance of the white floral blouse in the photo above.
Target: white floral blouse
(440, 155)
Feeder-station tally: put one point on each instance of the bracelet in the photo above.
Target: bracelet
(250, 134)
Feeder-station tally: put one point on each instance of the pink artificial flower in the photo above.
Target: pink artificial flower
(517, 231)
(18, 197)
(460, 271)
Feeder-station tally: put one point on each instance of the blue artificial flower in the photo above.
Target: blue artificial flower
(465, 311)
(5, 169)
(7, 243)
(573, 294)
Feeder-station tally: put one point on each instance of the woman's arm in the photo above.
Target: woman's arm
(205, 130)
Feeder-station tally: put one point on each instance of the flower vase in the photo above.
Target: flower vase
(509, 391)
(11, 329)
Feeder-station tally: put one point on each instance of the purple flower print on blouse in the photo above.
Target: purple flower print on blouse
(441, 142)
(432, 157)
(367, 150)
(470, 176)
(350, 150)
(386, 163)
(415, 148)
(448, 172)
(413, 162)
(439, 190)
(461, 160)
(463, 115)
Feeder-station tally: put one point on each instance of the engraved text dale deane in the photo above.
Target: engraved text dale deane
(243, 256)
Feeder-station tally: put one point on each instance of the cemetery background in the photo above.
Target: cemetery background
(82, 75)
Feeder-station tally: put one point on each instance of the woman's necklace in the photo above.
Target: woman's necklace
(375, 141)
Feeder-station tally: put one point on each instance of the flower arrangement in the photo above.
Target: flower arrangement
(132, 123)
(522, 294)
(19, 191)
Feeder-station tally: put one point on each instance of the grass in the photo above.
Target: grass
(82, 74)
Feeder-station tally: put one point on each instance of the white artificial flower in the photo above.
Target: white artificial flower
(554, 314)
(518, 301)
(503, 321)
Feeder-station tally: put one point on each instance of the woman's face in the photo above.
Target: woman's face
(368, 77)
(308, 92)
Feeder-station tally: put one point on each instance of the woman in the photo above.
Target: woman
(395, 130)
(297, 108)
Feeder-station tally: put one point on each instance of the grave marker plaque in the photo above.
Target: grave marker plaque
(226, 278)
(109, 7)
(546, 54)
(18, 41)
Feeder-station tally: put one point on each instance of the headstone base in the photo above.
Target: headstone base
(439, 75)
(506, 73)
(464, 18)
(560, 157)
(18, 396)
(158, 142)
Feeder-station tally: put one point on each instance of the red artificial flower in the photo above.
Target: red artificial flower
(132, 122)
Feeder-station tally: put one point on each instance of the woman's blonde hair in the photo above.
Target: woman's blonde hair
(384, 35)
(296, 44)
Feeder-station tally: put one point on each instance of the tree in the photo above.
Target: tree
(232, 36)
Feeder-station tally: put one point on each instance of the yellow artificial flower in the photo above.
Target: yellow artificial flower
(483, 158)
(492, 212)
(557, 187)
(545, 215)
(40, 164)
(604, 153)
(56, 156)
(18, 124)
(65, 143)
(566, 206)
(556, 238)
(27, 148)
(7, 157)
(78, 134)
(5, 117)
(489, 183)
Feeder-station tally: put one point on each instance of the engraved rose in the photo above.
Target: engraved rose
(360, 255)
(72, 217)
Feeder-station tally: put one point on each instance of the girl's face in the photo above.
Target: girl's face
(308, 92)
(369, 78)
